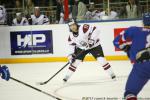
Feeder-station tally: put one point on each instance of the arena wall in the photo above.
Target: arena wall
(59, 35)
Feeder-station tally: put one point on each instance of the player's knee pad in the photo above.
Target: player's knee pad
(76, 62)
(102, 60)
(103, 63)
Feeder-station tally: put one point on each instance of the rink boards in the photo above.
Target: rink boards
(48, 43)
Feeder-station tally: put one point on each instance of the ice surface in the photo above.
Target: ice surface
(90, 80)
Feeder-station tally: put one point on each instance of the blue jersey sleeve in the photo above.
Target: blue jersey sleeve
(116, 41)
(124, 38)
(129, 33)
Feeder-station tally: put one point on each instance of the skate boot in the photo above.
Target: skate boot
(66, 78)
(113, 77)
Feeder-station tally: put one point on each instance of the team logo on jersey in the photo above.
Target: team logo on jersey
(83, 43)
(31, 42)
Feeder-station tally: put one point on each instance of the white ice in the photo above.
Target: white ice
(90, 80)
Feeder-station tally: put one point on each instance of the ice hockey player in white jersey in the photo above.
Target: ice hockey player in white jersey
(20, 20)
(2, 14)
(84, 39)
(39, 19)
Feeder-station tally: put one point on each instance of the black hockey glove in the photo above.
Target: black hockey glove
(91, 42)
(126, 48)
(143, 55)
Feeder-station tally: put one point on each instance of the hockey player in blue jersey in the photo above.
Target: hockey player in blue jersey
(4, 73)
(136, 42)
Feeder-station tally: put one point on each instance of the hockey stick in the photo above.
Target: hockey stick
(35, 88)
(43, 83)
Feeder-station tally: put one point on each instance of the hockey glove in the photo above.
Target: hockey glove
(143, 55)
(91, 42)
(5, 73)
(126, 48)
(71, 58)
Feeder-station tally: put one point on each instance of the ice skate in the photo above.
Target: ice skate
(66, 78)
(113, 77)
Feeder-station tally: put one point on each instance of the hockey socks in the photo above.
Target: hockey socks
(109, 70)
(72, 68)
(106, 66)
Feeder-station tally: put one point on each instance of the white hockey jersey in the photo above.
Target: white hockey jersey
(2, 15)
(86, 34)
(41, 20)
(23, 22)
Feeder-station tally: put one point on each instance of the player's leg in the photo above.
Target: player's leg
(97, 52)
(73, 66)
(107, 67)
(136, 81)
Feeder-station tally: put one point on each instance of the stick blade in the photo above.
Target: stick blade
(58, 99)
(40, 83)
